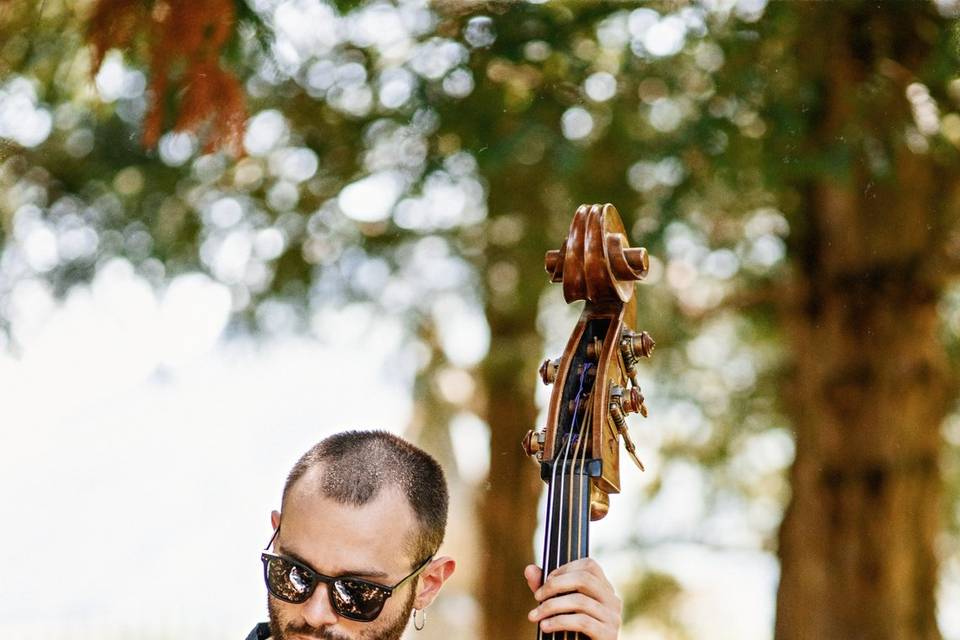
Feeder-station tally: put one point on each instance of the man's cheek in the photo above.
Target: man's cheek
(278, 621)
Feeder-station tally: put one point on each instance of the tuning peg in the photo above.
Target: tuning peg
(618, 405)
(632, 401)
(533, 443)
(616, 413)
(636, 345)
(631, 448)
(549, 370)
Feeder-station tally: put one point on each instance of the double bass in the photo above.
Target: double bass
(594, 385)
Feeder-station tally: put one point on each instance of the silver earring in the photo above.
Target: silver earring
(419, 624)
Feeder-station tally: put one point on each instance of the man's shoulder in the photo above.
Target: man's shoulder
(260, 632)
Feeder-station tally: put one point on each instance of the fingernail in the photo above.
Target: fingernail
(532, 615)
(538, 594)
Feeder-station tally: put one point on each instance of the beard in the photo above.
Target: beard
(379, 629)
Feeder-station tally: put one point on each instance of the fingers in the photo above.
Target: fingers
(576, 597)
(534, 576)
(571, 602)
(584, 576)
(584, 624)
(577, 612)
(583, 564)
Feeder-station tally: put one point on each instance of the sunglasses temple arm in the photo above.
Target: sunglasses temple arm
(416, 572)
(276, 532)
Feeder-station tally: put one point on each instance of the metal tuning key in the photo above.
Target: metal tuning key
(549, 370)
(533, 443)
(634, 346)
(622, 402)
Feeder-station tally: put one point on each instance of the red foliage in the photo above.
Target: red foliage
(183, 40)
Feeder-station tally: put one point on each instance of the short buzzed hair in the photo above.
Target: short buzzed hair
(355, 466)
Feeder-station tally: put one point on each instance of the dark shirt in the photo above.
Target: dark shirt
(260, 632)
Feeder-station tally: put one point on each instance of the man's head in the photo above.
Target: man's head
(365, 504)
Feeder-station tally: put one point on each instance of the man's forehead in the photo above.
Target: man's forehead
(320, 529)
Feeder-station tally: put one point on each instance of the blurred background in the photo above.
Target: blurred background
(229, 228)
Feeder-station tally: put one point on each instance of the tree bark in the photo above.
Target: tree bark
(870, 384)
(508, 502)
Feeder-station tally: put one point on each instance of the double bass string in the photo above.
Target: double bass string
(580, 451)
(546, 544)
(567, 464)
(576, 485)
(550, 508)
(579, 455)
(565, 470)
(551, 503)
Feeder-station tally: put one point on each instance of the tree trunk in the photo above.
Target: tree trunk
(870, 384)
(508, 503)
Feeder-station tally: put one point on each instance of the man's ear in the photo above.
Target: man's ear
(432, 579)
(275, 519)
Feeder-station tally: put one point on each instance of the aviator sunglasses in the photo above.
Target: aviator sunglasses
(293, 581)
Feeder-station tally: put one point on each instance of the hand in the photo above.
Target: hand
(576, 597)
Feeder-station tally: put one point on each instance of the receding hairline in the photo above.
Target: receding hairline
(308, 487)
(312, 484)
(353, 467)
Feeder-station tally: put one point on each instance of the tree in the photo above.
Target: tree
(790, 169)
(870, 384)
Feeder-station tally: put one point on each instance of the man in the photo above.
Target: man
(354, 550)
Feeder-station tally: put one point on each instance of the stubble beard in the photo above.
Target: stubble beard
(281, 629)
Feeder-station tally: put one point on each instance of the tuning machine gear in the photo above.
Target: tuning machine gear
(549, 370)
(622, 402)
(533, 443)
(634, 346)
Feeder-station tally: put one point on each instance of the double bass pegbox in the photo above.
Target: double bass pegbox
(595, 264)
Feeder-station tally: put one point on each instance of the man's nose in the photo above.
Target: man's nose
(317, 611)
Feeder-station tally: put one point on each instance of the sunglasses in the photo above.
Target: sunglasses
(293, 581)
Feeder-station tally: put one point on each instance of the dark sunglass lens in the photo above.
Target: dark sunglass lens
(287, 581)
(358, 600)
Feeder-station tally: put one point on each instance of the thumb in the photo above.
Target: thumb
(534, 576)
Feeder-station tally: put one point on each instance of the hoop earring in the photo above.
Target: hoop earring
(421, 623)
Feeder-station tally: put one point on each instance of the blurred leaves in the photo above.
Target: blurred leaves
(422, 158)
(654, 595)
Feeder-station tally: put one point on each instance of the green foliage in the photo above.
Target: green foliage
(346, 6)
(704, 149)
(653, 595)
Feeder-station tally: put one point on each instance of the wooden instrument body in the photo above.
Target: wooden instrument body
(604, 323)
